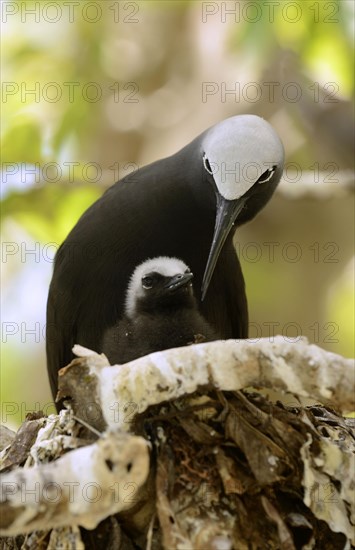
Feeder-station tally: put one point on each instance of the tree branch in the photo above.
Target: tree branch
(126, 390)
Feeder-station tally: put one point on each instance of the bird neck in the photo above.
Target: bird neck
(166, 305)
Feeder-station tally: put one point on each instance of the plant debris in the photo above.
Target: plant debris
(228, 469)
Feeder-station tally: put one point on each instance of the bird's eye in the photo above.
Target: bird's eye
(147, 282)
(207, 165)
(267, 175)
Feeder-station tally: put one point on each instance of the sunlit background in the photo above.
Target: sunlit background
(92, 90)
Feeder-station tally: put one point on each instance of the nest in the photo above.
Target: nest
(196, 464)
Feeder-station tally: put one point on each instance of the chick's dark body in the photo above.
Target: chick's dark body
(150, 332)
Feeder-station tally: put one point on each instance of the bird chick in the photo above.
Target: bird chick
(160, 313)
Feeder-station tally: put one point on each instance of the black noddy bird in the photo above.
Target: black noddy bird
(160, 313)
(186, 206)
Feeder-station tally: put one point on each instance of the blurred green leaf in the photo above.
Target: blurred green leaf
(22, 143)
(63, 207)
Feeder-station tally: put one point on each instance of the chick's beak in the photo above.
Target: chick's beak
(178, 281)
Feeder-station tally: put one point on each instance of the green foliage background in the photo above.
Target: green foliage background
(149, 62)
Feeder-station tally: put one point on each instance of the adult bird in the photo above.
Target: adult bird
(186, 206)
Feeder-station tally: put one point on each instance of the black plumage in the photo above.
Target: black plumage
(161, 313)
(174, 207)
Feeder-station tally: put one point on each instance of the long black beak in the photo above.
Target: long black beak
(226, 215)
(178, 281)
